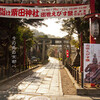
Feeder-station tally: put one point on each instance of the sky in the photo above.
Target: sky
(53, 28)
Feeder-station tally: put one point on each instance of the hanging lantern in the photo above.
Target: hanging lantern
(95, 28)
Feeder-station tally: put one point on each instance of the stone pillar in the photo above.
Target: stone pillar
(43, 50)
(63, 52)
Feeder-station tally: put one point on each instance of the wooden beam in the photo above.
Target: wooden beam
(39, 4)
(54, 44)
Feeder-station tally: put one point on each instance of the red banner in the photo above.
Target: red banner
(67, 53)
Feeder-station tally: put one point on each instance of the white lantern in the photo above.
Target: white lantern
(95, 28)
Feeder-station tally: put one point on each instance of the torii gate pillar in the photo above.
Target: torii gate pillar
(43, 51)
(63, 52)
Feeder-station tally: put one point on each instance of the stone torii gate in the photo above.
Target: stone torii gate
(55, 41)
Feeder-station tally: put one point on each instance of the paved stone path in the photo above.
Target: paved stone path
(45, 81)
(67, 97)
(44, 84)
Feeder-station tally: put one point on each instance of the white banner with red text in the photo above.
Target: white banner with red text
(43, 12)
(91, 64)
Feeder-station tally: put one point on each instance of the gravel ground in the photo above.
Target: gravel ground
(67, 86)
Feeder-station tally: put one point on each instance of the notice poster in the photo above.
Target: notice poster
(91, 63)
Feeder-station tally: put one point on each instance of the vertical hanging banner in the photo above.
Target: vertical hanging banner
(91, 63)
(67, 53)
(44, 12)
(14, 57)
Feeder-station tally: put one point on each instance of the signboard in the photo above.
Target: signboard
(91, 63)
(41, 13)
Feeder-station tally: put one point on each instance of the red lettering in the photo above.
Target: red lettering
(87, 59)
(84, 12)
(64, 13)
(2, 11)
(14, 12)
(28, 12)
(53, 13)
(43, 14)
(48, 14)
(87, 53)
(21, 12)
(80, 12)
(70, 13)
(35, 13)
(8, 13)
(87, 47)
(59, 13)
(75, 8)
(75, 13)
(87, 56)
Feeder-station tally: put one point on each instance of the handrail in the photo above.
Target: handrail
(75, 73)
